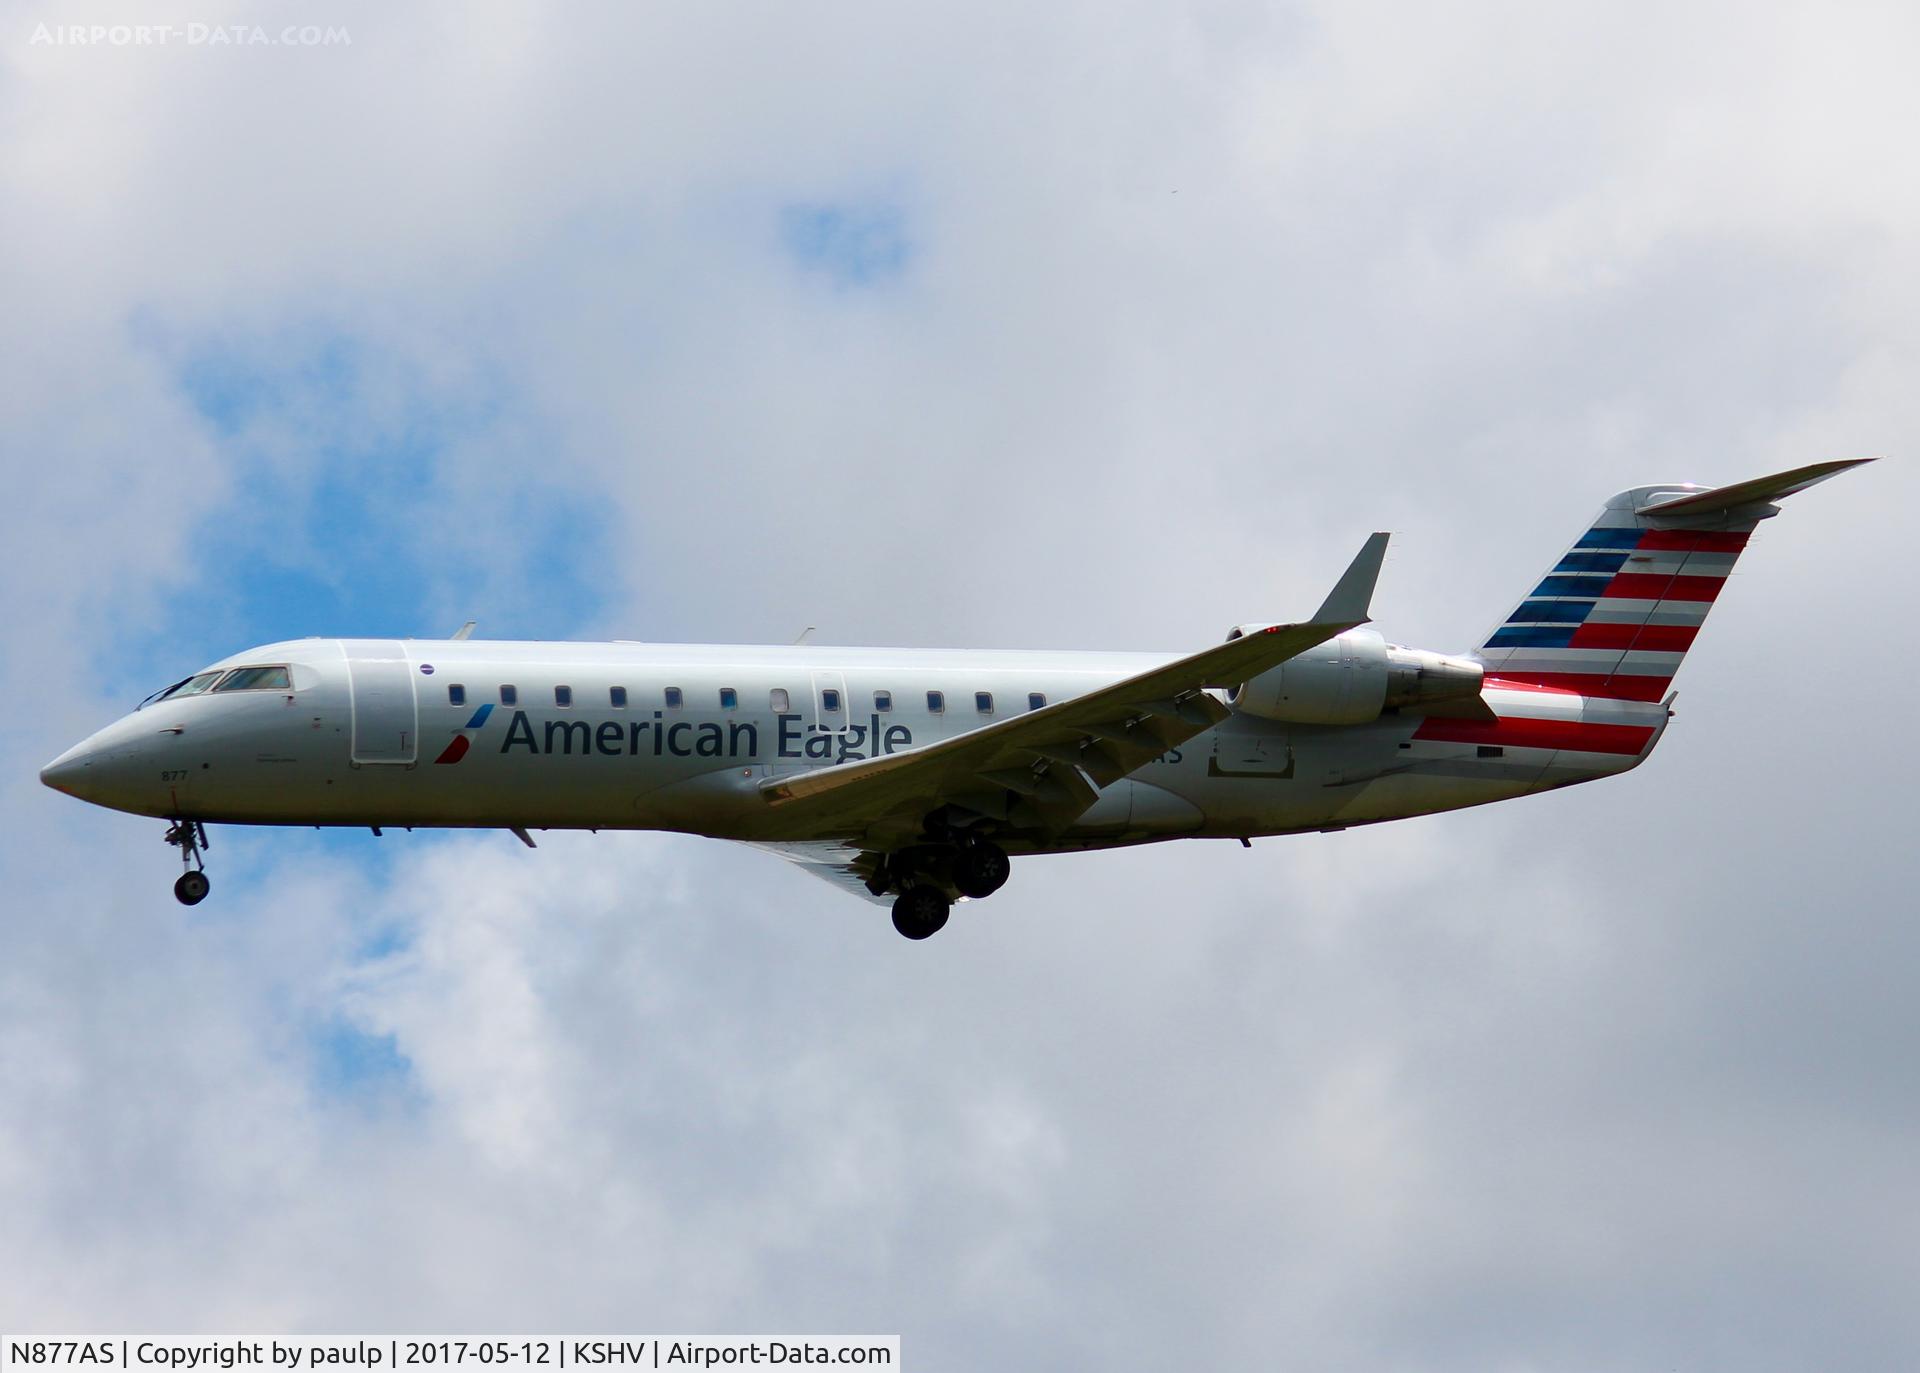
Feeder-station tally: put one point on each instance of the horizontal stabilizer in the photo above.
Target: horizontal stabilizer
(1755, 492)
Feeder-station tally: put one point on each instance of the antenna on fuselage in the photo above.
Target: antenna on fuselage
(465, 631)
(803, 636)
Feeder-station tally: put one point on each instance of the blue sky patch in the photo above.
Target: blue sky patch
(367, 499)
(231, 386)
(347, 1061)
(853, 244)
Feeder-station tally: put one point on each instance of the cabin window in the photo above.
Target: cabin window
(829, 699)
(456, 694)
(509, 695)
(936, 702)
(729, 699)
(777, 698)
(883, 701)
(675, 698)
(255, 679)
(1036, 700)
(983, 702)
(563, 696)
(617, 697)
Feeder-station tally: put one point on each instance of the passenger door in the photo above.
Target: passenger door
(386, 715)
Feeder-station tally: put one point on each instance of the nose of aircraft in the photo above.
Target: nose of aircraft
(69, 771)
(104, 769)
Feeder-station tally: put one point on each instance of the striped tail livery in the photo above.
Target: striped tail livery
(1616, 615)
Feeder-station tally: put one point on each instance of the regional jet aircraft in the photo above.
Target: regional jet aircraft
(914, 776)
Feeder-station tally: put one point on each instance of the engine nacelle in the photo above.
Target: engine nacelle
(1351, 678)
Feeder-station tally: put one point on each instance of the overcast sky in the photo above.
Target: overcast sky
(1080, 325)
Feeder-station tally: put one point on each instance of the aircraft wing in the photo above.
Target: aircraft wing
(1043, 768)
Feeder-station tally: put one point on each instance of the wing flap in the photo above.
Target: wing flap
(848, 869)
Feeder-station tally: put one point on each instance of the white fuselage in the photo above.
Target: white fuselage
(367, 732)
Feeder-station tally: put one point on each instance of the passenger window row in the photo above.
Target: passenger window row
(673, 698)
(277, 678)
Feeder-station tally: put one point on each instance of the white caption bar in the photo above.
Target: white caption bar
(363, 1355)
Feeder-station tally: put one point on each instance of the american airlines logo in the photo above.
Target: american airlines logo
(461, 742)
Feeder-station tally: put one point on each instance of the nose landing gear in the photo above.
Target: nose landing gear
(190, 837)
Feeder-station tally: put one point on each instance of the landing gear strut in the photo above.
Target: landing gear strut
(190, 837)
(920, 911)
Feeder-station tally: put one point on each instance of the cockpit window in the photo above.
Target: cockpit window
(256, 679)
(192, 686)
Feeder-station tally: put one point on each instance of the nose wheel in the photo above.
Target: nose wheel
(190, 837)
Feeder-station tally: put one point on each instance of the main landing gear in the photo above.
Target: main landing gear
(921, 911)
(190, 837)
(981, 869)
(973, 867)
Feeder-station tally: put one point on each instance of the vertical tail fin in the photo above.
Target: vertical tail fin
(1618, 612)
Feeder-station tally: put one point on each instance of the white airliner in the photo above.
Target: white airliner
(912, 775)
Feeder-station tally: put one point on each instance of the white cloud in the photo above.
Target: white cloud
(1192, 300)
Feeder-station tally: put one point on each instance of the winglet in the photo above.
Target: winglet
(1352, 595)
